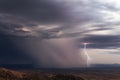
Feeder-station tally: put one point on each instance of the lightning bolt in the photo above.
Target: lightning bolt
(86, 54)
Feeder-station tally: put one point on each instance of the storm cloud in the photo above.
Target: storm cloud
(25, 21)
(102, 42)
(38, 10)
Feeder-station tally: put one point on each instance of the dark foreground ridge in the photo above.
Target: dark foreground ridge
(6, 74)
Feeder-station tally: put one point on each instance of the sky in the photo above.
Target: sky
(26, 23)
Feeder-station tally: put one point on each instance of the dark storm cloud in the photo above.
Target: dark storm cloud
(103, 41)
(36, 10)
(71, 13)
(15, 14)
(30, 13)
(13, 29)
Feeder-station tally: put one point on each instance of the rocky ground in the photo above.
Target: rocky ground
(83, 74)
(6, 74)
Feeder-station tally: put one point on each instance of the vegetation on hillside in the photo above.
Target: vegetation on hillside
(6, 74)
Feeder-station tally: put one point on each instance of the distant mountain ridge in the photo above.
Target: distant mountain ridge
(17, 66)
(105, 65)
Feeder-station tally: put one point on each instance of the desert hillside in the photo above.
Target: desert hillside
(6, 74)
